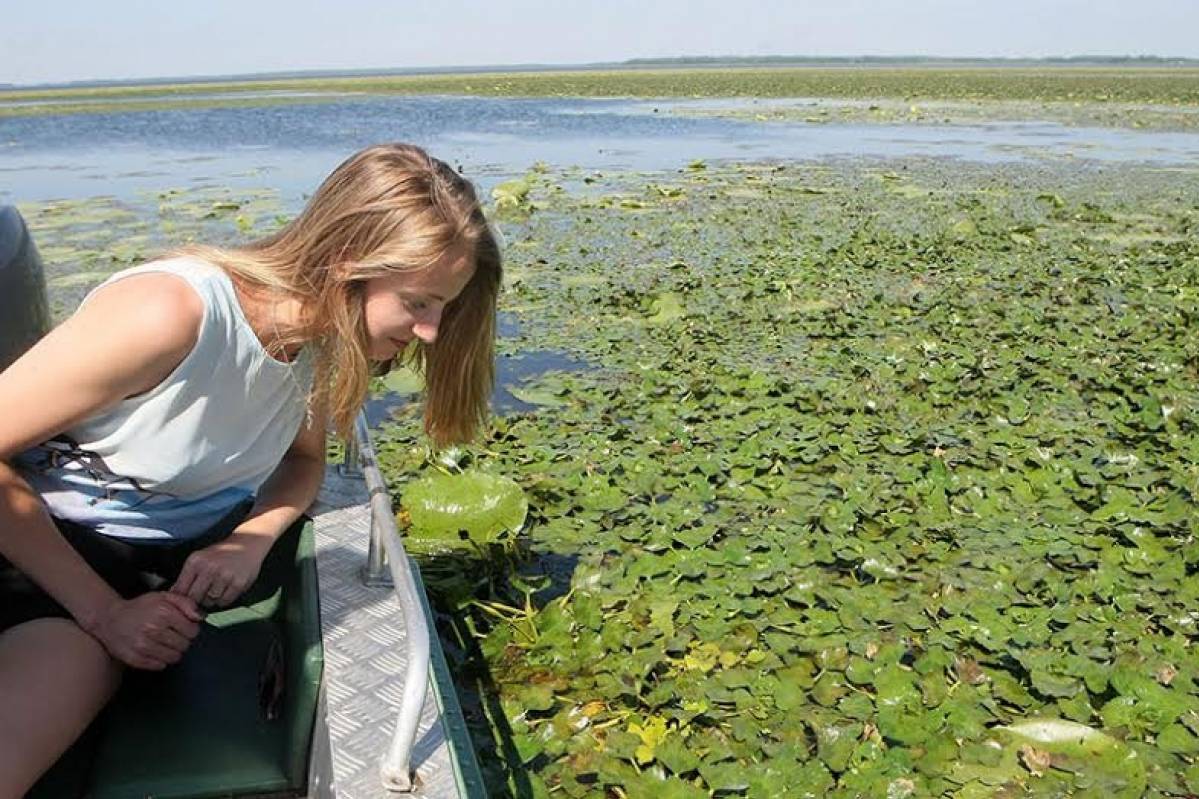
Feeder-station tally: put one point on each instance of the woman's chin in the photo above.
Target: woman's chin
(383, 352)
(381, 366)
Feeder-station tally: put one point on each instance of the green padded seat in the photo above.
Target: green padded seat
(233, 718)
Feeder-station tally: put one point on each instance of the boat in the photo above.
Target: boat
(326, 680)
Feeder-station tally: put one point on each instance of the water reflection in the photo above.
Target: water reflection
(511, 371)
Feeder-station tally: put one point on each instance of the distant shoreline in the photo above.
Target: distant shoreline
(1126, 91)
(685, 62)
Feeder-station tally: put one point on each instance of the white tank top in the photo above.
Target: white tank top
(171, 462)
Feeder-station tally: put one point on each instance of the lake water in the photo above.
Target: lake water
(292, 146)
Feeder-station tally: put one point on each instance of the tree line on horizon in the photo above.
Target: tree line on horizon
(1074, 60)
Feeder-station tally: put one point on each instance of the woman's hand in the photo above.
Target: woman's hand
(216, 575)
(150, 631)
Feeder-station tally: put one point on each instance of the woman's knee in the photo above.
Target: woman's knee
(60, 678)
(53, 648)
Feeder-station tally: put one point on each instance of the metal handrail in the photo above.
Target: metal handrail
(396, 765)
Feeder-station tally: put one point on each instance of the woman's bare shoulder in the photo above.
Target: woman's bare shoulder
(151, 320)
(123, 341)
(159, 305)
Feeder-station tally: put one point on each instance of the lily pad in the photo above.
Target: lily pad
(471, 505)
(403, 380)
(1083, 750)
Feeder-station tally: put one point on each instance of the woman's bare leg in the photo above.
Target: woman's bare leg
(55, 679)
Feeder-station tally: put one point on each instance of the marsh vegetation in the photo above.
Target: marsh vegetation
(875, 477)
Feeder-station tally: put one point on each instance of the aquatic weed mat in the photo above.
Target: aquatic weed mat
(1168, 87)
(938, 112)
(881, 483)
(84, 240)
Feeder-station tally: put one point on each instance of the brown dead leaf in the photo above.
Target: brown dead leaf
(969, 671)
(1037, 761)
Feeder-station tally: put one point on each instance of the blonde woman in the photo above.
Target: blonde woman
(176, 423)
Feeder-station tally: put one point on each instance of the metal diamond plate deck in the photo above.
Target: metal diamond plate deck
(365, 657)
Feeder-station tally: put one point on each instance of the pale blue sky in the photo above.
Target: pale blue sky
(49, 41)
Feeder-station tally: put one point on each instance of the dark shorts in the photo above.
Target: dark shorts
(131, 568)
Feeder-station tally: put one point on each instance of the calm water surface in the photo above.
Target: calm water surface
(292, 146)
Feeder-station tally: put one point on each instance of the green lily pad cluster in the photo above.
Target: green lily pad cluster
(882, 484)
(933, 110)
(82, 241)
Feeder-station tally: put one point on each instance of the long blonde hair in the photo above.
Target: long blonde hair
(388, 208)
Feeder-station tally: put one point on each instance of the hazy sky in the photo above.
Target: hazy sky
(46, 41)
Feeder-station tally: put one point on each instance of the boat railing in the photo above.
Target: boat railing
(386, 559)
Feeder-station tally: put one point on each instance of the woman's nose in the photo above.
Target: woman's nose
(426, 328)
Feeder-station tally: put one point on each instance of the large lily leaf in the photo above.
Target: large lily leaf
(471, 505)
(1069, 746)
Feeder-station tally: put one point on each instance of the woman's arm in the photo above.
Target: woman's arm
(216, 575)
(124, 341)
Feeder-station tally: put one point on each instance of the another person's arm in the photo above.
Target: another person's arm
(124, 341)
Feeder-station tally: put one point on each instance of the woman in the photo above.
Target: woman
(176, 424)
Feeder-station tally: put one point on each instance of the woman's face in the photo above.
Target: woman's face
(405, 306)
